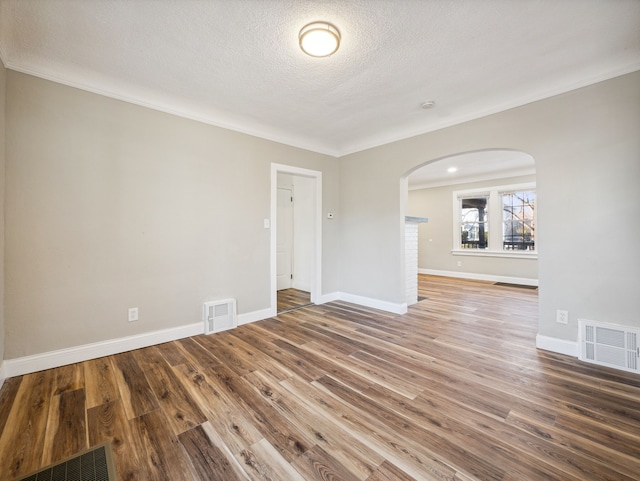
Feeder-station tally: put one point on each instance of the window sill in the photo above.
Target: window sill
(486, 253)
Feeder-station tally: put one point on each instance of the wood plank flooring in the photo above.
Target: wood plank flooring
(289, 299)
(453, 390)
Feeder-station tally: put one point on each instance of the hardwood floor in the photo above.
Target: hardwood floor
(289, 299)
(454, 390)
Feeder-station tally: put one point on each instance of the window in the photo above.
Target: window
(473, 222)
(518, 221)
(510, 211)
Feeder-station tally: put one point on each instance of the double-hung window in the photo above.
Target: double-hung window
(474, 226)
(518, 220)
(499, 221)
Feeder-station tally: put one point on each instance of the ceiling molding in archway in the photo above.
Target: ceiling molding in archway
(472, 167)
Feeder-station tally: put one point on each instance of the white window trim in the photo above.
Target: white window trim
(490, 253)
(494, 221)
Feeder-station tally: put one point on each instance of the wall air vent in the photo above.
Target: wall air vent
(219, 315)
(610, 345)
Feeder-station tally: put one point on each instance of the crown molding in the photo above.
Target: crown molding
(216, 120)
(307, 143)
(378, 140)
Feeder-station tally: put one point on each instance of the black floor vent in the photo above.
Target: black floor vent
(95, 464)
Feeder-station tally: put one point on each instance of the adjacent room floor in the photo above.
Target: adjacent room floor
(290, 299)
(453, 390)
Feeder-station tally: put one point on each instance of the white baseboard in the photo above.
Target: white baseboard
(51, 359)
(561, 346)
(61, 357)
(395, 308)
(255, 316)
(334, 296)
(47, 360)
(525, 281)
(363, 301)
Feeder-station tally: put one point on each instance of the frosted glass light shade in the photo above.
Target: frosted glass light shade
(319, 39)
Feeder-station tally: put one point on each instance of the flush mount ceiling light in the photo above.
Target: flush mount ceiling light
(319, 39)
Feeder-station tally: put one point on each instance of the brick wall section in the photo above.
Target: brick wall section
(411, 259)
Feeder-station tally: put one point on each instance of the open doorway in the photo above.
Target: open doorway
(294, 241)
(476, 230)
(296, 237)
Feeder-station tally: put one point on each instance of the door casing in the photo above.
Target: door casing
(316, 277)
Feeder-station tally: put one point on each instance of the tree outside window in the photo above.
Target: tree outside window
(507, 208)
(518, 220)
(474, 226)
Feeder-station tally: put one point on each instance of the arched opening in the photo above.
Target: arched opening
(481, 211)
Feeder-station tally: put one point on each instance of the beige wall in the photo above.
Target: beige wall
(587, 152)
(111, 205)
(3, 84)
(436, 236)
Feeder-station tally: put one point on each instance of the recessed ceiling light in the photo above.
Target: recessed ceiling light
(429, 104)
(319, 39)
(451, 170)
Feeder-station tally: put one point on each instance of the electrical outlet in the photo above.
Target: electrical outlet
(133, 314)
(459, 263)
(562, 317)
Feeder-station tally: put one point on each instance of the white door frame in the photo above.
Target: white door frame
(316, 275)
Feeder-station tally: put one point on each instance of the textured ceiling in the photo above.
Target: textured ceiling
(237, 64)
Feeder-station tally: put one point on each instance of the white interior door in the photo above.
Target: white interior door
(284, 239)
(303, 232)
